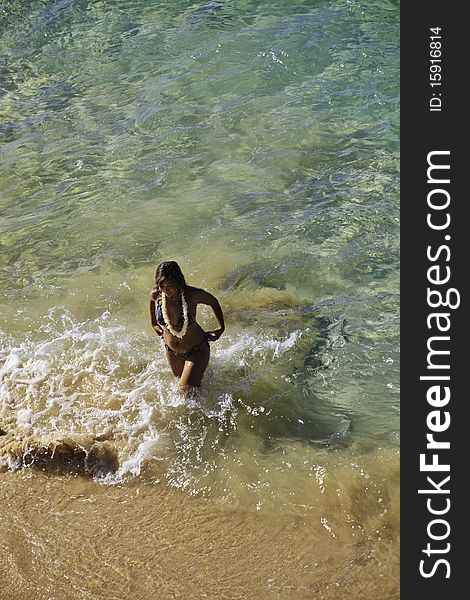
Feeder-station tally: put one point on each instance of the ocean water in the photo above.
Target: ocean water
(256, 143)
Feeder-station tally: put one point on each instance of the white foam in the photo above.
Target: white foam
(95, 378)
(257, 346)
(134, 464)
(12, 363)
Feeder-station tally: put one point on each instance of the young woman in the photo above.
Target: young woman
(173, 317)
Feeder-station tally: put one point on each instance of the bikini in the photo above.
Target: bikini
(161, 321)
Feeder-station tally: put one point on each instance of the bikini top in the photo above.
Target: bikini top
(161, 319)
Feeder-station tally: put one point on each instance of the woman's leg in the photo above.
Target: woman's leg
(194, 369)
(175, 363)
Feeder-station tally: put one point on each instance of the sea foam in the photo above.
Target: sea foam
(76, 387)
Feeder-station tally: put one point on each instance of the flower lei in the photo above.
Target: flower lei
(184, 329)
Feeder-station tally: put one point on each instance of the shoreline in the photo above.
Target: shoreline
(67, 537)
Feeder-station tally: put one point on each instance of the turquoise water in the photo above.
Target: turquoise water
(255, 143)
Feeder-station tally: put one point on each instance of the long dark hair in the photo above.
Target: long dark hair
(170, 270)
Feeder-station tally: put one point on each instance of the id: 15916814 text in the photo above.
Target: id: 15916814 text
(435, 68)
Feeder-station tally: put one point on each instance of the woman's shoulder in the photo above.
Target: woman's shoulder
(155, 294)
(193, 293)
(198, 295)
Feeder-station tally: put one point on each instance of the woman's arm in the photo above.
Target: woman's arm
(203, 297)
(153, 318)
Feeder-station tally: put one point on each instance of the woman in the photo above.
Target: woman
(173, 316)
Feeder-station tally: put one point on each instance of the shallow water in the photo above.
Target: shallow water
(257, 145)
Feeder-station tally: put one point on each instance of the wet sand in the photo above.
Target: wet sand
(67, 538)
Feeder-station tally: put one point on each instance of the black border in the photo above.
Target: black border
(423, 131)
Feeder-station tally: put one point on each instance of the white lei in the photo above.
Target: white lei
(184, 329)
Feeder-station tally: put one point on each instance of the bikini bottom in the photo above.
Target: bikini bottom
(186, 355)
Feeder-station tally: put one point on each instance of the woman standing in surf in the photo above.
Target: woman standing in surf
(173, 316)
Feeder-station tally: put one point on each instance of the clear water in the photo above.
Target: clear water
(256, 144)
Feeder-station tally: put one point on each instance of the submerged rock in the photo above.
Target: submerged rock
(61, 455)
